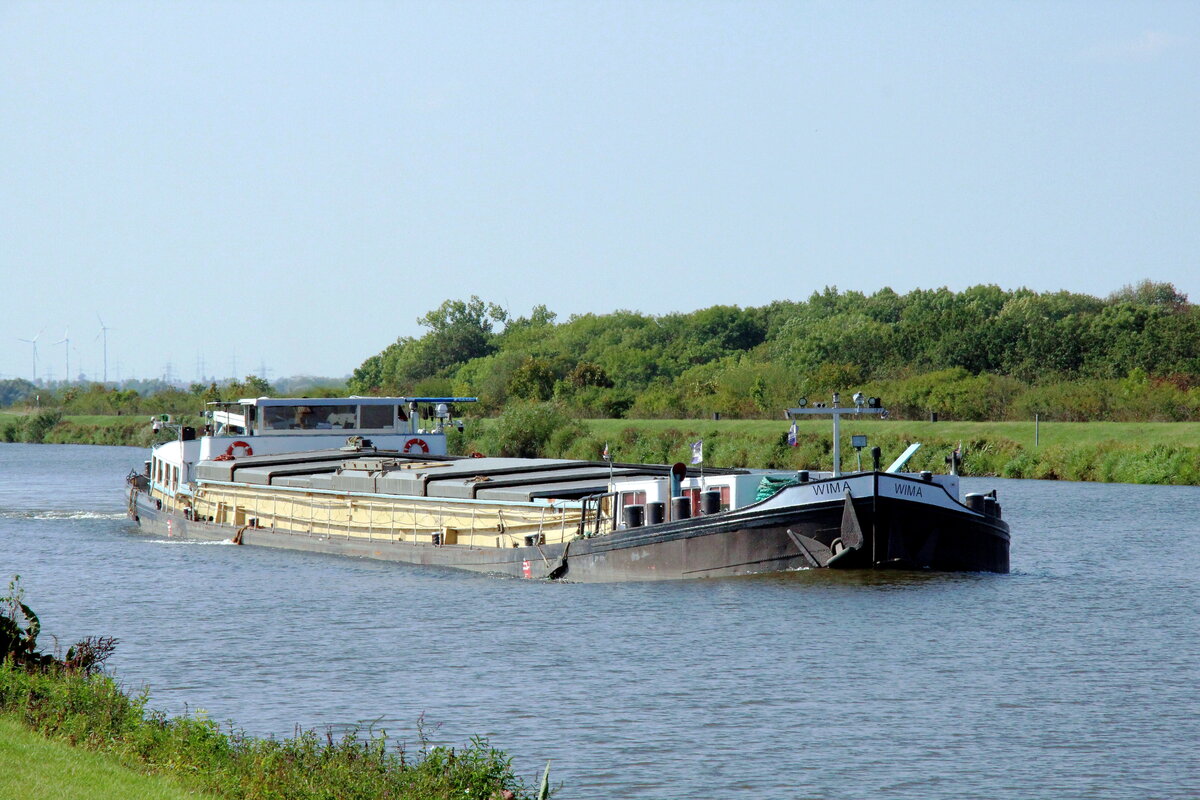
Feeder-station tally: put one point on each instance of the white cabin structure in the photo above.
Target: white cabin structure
(277, 425)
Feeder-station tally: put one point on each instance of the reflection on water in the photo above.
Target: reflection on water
(1074, 676)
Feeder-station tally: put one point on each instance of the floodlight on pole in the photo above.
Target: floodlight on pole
(837, 411)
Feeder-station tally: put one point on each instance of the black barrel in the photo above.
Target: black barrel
(710, 501)
(656, 513)
(926, 476)
(681, 507)
(802, 476)
(635, 515)
(976, 503)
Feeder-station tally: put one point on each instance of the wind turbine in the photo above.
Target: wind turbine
(104, 329)
(33, 342)
(66, 343)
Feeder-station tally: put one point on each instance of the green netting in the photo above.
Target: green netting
(771, 484)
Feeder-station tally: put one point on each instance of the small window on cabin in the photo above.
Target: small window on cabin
(694, 495)
(633, 498)
(378, 417)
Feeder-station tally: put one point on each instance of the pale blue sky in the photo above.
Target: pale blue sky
(295, 183)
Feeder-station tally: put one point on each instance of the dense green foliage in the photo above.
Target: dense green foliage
(31, 428)
(72, 700)
(980, 354)
(983, 353)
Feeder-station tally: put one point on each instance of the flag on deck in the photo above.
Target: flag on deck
(793, 435)
(698, 451)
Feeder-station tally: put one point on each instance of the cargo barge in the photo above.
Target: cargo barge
(364, 477)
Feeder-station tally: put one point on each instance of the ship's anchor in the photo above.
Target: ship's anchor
(851, 540)
(561, 569)
(852, 536)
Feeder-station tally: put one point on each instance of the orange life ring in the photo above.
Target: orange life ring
(411, 443)
(249, 451)
(476, 454)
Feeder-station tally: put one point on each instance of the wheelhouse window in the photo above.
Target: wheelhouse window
(378, 417)
(314, 417)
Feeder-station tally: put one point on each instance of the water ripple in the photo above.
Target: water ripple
(1074, 676)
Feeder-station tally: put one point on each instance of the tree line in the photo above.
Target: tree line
(982, 353)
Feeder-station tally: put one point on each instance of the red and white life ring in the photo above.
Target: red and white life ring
(414, 443)
(246, 449)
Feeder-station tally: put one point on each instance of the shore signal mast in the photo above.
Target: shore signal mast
(862, 405)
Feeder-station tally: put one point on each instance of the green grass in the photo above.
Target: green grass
(97, 738)
(93, 713)
(32, 766)
(1121, 452)
(87, 420)
(1109, 452)
(81, 429)
(1185, 434)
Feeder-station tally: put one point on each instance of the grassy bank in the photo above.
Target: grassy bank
(70, 701)
(92, 713)
(34, 766)
(51, 427)
(1122, 452)
(1160, 453)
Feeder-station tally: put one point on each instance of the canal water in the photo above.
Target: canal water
(1078, 675)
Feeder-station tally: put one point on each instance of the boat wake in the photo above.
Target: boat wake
(195, 542)
(47, 514)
